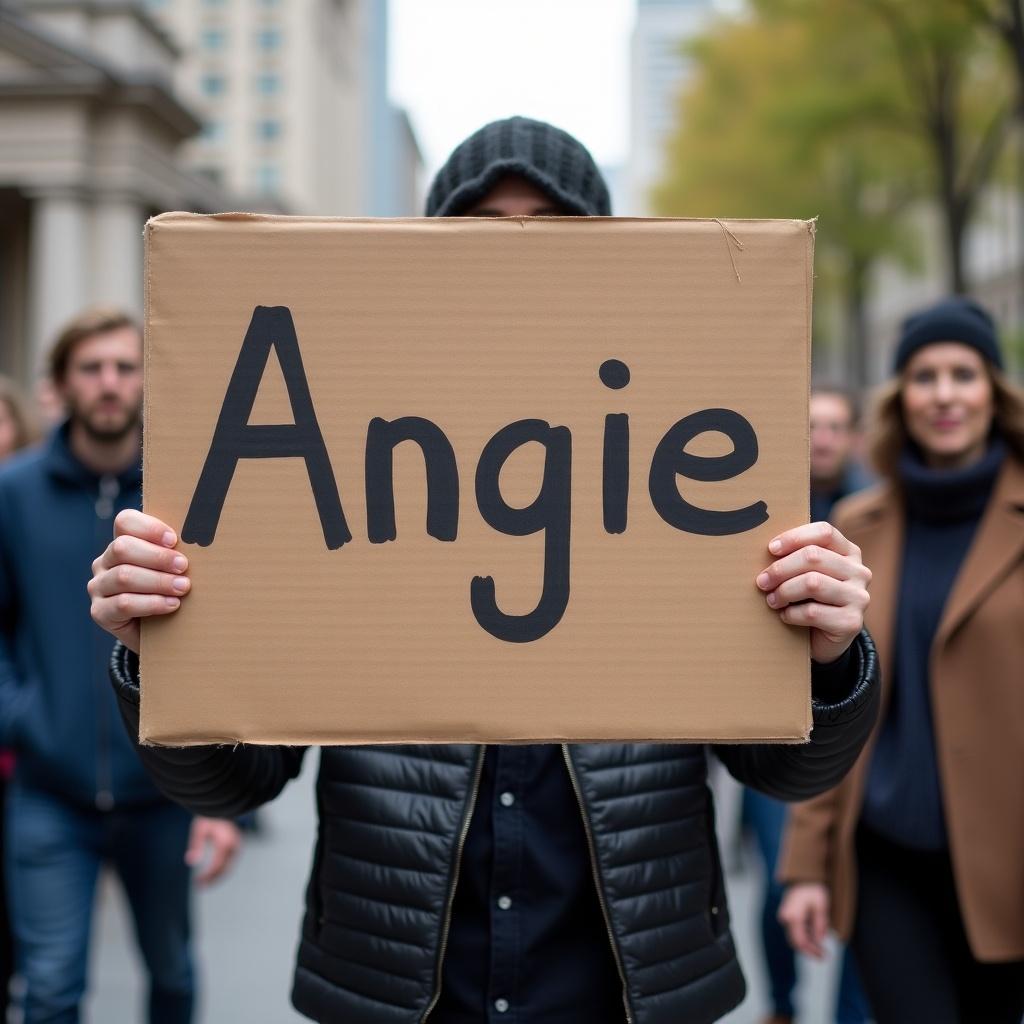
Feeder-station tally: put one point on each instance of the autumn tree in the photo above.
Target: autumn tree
(1006, 19)
(959, 102)
(776, 124)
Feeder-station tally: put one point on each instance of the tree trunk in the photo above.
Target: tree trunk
(943, 129)
(956, 214)
(857, 354)
(1014, 35)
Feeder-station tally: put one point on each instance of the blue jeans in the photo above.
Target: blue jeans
(53, 857)
(851, 1002)
(766, 817)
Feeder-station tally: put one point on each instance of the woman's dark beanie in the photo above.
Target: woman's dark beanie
(956, 319)
(544, 155)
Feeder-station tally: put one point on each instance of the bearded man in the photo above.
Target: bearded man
(80, 797)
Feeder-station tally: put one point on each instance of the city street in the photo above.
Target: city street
(248, 929)
(475, 285)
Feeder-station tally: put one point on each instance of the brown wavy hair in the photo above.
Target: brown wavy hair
(88, 324)
(26, 427)
(888, 435)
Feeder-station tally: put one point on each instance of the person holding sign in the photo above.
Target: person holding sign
(916, 858)
(457, 883)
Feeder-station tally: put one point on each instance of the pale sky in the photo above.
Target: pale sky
(457, 64)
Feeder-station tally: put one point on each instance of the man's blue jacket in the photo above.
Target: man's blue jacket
(56, 709)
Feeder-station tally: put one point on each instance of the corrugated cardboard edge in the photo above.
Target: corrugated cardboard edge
(233, 741)
(147, 237)
(183, 216)
(811, 227)
(173, 217)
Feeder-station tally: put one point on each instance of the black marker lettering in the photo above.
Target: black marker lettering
(550, 511)
(669, 459)
(614, 374)
(615, 477)
(442, 477)
(234, 438)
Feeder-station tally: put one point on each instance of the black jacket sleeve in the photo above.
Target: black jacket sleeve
(215, 781)
(844, 705)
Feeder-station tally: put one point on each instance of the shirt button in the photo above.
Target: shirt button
(504, 902)
(507, 799)
(501, 1005)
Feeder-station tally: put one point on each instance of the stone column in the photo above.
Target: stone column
(58, 271)
(117, 252)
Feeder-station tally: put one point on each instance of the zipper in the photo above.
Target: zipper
(597, 879)
(104, 799)
(316, 894)
(715, 917)
(108, 494)
(463, 832)
(109, 491)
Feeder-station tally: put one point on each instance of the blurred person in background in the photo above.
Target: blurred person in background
(18, 428)
(17, 431)
(79, 797)
(918, 853)
(49, 403)
(529, 883)
(835, 473)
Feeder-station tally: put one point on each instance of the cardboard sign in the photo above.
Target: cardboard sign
(475, 480)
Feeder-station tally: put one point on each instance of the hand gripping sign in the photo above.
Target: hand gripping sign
(475, 480)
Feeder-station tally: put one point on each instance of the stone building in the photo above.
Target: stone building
(293, 99)
(114, 110)
(90, 128)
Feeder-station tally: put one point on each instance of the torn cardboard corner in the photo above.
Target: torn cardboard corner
(475, 480)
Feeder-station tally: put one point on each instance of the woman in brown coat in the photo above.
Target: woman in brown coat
(917, 857)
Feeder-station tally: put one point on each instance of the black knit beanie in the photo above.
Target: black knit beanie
(544, 155)
(956, 319)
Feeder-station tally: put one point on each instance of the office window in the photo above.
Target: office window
(268, 40)
(268, 84)
(214, 85)
(268, 178)
(213, 39)
(213, 131)
(268, 129)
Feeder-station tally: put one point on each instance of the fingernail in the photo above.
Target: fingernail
(772, 600)
(169, 539)
(171, 602)
(775, 546)
(180, 584)
(180, 563)
(763, 580)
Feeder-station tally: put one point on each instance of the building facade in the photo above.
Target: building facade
(112, 111)
(292, 95)
(658, 71)
(90, 128)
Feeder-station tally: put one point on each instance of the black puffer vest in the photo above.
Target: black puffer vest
(393, 820)
(392, 823)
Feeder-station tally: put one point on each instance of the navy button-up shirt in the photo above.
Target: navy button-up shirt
(528, 943)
